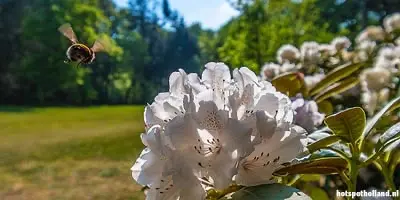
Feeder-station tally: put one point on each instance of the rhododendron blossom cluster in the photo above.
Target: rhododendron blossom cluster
(213, 131)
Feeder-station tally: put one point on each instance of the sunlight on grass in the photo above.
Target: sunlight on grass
(69, 153)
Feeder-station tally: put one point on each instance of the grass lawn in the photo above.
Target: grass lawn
(69, 153)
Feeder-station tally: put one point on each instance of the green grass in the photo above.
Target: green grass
(69, 153)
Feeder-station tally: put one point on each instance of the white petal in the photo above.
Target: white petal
(237, 136)
(216, 75)
(220, 168)
(268, 156)
(182, 131)
(163, 189)
(147, 168)
(210, 117)
(177, 82)
(156, 141)
(244, 76)
(150, 118)
(185, 179)
(268, 102)
(195, 83)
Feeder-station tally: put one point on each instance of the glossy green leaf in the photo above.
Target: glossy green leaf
(337, 88)
(334, 76)
(395, 103)
(324, 142)
(390, 138)
(289, 83)
(348, 124)
(310, 177)
(268, 192)
(327, 165)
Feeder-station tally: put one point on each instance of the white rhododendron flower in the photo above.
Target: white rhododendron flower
(270, 71)
(307, 115)
(310, 53)
(375, 79)
(367, 46)
(372, 99)
(207, 132)
(326, 49)
(371, 33)
(392, 22)
(369, 100)
(364, 50)
(288, 53)
(341, 43)
(389, 58)
(288, 67)
(374, 82)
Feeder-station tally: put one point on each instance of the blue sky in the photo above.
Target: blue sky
(210, 13)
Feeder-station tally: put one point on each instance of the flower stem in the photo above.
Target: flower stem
(352, 186)
(386, 174)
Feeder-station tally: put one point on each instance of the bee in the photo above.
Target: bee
(79, 52)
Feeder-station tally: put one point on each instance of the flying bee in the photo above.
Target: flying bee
(79, 52)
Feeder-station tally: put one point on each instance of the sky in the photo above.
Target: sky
(210, 13)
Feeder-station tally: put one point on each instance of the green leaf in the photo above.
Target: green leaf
(268, 192)
(337, 88)
(289, 83)
(325, 107)
(324, 142)
(395, 103)
(316, 192)
(334, 76)
(348, 124)
(311, 177)
(327, 165)
(390, 138)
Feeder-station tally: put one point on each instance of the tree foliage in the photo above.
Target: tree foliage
(149, 40)
(264, 26)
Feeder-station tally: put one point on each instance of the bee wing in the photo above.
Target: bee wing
(99, 45)
(68, 32)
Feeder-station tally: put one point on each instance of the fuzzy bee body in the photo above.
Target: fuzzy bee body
(79, 52)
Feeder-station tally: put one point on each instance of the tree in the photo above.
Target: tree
(44, 76)
(263, 26)
(11, 15)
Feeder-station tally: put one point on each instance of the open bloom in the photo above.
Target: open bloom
(392, 22)
(205, 130)
(341, 43)
(165, 171)
(375, 79)
(307, 115)
(374, 83)
(288, 53)
(371, 33)
(389, 58)
(270, 71)
(310, 53)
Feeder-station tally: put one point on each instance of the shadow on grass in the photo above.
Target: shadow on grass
(15, 109)
(124, 147)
